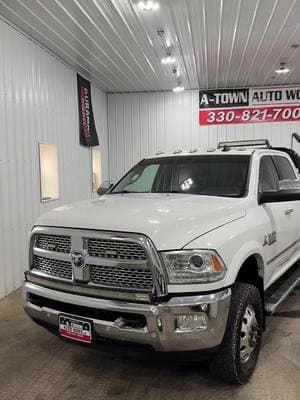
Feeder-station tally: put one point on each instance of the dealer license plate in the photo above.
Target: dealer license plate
(74, 328)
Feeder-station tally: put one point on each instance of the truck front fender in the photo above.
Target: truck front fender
(247, 250)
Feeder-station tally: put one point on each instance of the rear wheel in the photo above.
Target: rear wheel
(238, 353)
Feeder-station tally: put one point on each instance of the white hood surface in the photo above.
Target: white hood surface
(169, 220)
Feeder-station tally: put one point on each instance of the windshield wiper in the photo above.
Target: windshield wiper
(128, 191)
(122, 192)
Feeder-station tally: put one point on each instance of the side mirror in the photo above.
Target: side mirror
(104, 187)
(279, 196)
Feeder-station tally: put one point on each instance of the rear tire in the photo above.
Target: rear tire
(237, 356)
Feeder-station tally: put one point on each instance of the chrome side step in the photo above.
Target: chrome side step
(278, 292)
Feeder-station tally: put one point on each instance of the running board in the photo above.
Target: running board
(280, 290)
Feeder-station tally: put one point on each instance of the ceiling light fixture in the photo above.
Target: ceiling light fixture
(149, 5)
(283, 69)
(178, 88)
(168, 59)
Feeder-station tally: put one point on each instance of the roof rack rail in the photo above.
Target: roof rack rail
(261, 143)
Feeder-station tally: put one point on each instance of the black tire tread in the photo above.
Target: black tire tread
(224, 365)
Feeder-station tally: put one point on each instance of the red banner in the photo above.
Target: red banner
(249, 105)
(249, 115)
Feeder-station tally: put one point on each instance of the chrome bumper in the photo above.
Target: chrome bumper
(161, 329)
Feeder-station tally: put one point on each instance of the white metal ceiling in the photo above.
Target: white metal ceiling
(217, 43)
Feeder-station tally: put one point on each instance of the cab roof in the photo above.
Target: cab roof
(232, 147)
(216, 152)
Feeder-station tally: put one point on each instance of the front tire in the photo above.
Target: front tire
(237, 357)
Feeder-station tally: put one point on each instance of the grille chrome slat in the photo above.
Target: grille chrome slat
(51, 254)
(112, 262)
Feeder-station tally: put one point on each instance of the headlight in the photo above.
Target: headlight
(193, 266)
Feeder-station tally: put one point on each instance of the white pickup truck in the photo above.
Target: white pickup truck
(180, 255)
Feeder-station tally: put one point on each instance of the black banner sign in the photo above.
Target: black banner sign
(87, 128)
(224, 98)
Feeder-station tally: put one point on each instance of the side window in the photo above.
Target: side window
(284, 168)
(268, 177)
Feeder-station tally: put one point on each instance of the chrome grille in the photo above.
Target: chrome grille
(60, 244)
(113, 261)
(57, 268)
(121, 277)
(118, 249)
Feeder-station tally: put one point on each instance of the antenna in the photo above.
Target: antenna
(295, 136)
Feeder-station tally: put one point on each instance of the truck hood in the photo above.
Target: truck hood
(170, 220)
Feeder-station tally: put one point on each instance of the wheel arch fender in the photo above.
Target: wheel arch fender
(250, 249)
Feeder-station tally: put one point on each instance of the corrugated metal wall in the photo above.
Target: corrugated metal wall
(38, 103)
(141, 124)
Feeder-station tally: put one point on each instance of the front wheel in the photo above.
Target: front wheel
(238, 353)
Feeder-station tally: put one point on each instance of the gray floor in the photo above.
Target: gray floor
(36, 365)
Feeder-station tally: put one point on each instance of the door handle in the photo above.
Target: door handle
(288, 211)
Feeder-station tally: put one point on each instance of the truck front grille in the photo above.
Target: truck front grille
(130, 278)
(108, 248)
(60, 244)
(107, 260)
(57, 268)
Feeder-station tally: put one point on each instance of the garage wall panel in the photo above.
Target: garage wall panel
(141, 124)
(38, 103)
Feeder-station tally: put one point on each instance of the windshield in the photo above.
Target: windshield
(202, 175)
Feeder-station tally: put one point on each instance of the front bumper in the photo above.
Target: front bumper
(161, 321)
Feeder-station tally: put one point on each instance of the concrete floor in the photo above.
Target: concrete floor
(36, 365)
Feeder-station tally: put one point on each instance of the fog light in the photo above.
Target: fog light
(191, 322)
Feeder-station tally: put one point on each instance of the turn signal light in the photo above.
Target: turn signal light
(216, 263)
